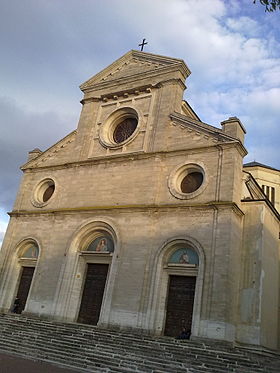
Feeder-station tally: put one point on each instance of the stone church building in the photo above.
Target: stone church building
(144, 218)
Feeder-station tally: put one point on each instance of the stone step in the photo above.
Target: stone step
(67, 360)
(144, 367)
(152, 362)
(171, 348)
(72, 347)
(182, 360)
(121, 339)
(90, 348)
(116, 361)
(179, 370)
(97, 333)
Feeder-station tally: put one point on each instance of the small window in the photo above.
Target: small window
(269, 191)
(273, 195)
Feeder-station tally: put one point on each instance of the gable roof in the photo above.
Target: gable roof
(135, 64)
(257, 164)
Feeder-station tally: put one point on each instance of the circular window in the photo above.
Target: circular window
(120, 128)
(43, 192)
(191, 182)
(187, 181)
(124, 129)
(48, 192)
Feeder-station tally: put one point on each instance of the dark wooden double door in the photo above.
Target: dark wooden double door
(179, 304)
(93, 292)
(24, 287)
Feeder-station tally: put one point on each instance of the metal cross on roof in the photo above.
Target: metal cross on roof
(142, 44)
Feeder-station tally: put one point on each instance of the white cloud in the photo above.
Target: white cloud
(244, 25)
(266, 101)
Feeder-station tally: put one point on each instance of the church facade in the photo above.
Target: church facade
(143, 218)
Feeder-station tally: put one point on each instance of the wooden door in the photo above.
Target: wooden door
(179, 304)
(93, 293)
(24, 286)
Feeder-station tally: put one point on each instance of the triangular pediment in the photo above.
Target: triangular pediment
(133, 64)
(59, 153)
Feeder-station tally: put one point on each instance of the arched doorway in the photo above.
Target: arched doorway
(27, 258)
(97, 255)
(82, 251)
(181, 267)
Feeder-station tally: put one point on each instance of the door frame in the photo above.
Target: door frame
(168, 293)
(159, 284)
(83, 286)
(25, 265)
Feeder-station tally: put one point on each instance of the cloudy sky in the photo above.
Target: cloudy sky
(49, 47)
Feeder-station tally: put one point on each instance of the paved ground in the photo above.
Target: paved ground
(15, 364)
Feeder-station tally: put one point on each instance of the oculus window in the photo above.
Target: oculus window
(191, 182)
(120, 128)
(187, 181)
(43, 193)
(124, 129)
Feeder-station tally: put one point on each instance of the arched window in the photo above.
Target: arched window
(30, 252)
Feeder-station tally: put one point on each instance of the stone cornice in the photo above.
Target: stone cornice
(197, 125)
(151, 207)
(133, 156)
(136, 91)
(171, 81)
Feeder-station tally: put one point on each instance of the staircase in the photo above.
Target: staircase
(89, 349)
